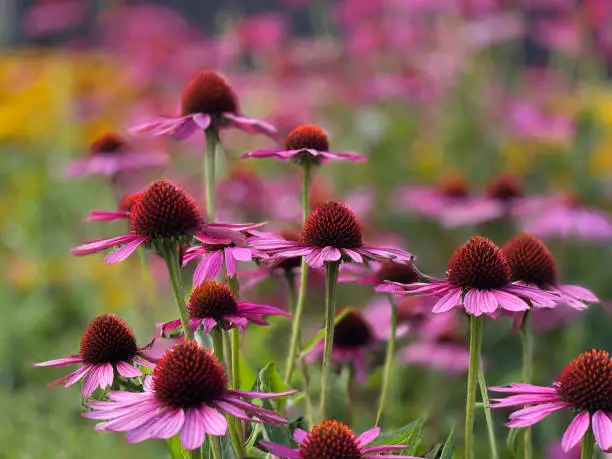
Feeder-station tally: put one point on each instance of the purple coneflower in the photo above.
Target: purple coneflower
(305, 144)
(334, 440)
(584, 386)
(111, 154)
(532, 264)
(331, 233)
(122, 212)
(207, 102)
(379, 274)
(107, 345)
(163, 212)
(185, 396)
(213, 304)
(478, 279)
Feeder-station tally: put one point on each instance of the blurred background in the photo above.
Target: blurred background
(427, 89)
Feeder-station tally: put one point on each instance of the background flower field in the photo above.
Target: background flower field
(424, 89)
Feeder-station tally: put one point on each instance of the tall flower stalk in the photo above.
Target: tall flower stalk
(586, 450)
(473, 369)
(527, 338)
(212, 141)
(331, 282)
(170, 254)
(388, 361)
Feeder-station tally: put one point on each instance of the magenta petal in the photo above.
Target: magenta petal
(510, 302)
(230, 263)
(533, 414)
(354, 255)
(102, 244)
(253, 308)
(579, 293)
(602, 429)
(208, 268)
(262, 153)
(299, 436)
(128, 371)
(315, 258)
(350, 156)
(368, 436)
(241, 253)
(165, 425)
(122, 253)
(201, 120)
(193, 432)
(250, 125)
(448, 301)
(106, 215)
(214, 422)
(92, 381)
(78, 374)
(60, 362)
(280, 450)
(382, 448)
(575, 431)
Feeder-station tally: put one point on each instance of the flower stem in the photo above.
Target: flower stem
(388, 361)
(527, 338)
(475, 345)
(232, 282)
(586, 452)
(487, 412)
(299, 308)
(303, 367)
(217, 338)
(212, 139)
(331, 280)
(169, 251)
(215, 447)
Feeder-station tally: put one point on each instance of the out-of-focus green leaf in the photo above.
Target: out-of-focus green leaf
(513, 442)
(409, 435)
(176, 450)
(449, 446)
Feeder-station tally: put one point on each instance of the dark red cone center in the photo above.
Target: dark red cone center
(188, 376)
(127, 202)
(109, 143)
(330, 440)
(211, 300)
(108, 339)
(164, 211)
(505, 188)
(208, 92)
(530, 260)
(307, 136)
(332, 224)
(478, 264)
(352, 331)
(396, 272)
(586, 382)
(454, 186)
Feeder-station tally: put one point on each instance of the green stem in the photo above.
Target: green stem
(299, 308)
(351, 394)
(212, 139)
(475, 345)
(232, 282)
(586, 452)
(527, 337)
(388, 361)
(487, 412)
(169, 251)
(217, 338)
(215, 447)
(331, 281)
(303, 367)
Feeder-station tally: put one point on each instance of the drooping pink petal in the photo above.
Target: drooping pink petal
(231, 409)
(602, 430)
(230, 263)
(299, 436)
(280, 450)
(62, 362)
(193, 252)
(255, 308)
(354, 255)
(241, 253)
(78, 374)
(349, 156)
(262, 153)
(575, 431)
(193, 431)
(214, 422)
(128, 371)
(122, 253)
(92, 381)
(381, 449)
(579, 293)
(106, 215)
(524, 399)
(202, 120)
(103, 244)
(250, 125)
(315, 258)
(165, 425)
(208, 268)
(510, 302)
(519, 388)
(368, 436)
(448, 301)
(533, 414)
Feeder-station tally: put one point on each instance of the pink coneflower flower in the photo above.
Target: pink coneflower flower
(331, 233)
(185, 396)
(380, 272)
(213, 304)
(107, 345)
(354, 338)
(478, 279)
(163, 212)
(214, 256)
(111, 154)
(305, 144)
(334, 440)
(207, 102)
(122, 212)
(584, 386)
(532, 264)
(566, 219)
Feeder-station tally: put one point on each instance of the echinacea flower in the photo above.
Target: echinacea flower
(111, 154)
(584, 387)
(532, 263)
(305, 144)
(214, 256)
(108, 345)
(334, 440)
(207, 102)
(213, 304)
(331, 233)
(478, 279)
(379, 274)
(163, 212)
(186, 395)
(354, 337)
(122, 212)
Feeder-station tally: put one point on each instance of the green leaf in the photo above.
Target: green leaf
(319, 336)
(176, 450)
(449, 446)
(435, 452)
(513, 442)
(409, 435)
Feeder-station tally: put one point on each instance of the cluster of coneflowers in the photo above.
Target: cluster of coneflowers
(186, 380)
